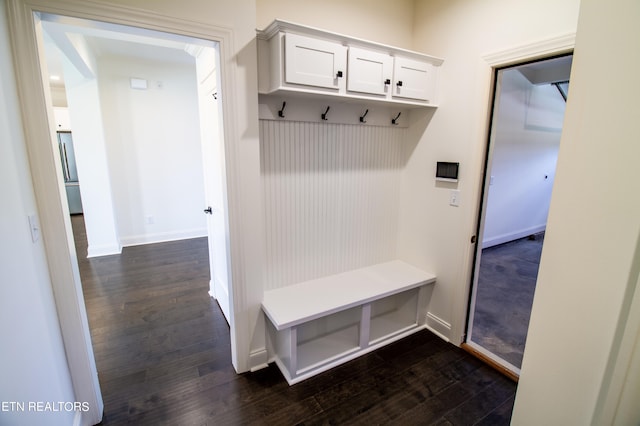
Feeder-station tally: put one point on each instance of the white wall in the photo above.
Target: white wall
(153, 148)
(591, 258)
(387, 22)
(434, 235)
(33, 365)
(523, 158)
(59, 97)
(94, 175)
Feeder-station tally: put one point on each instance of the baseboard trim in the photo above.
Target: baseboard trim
(162, 237)
(438, 326)
(212, 289)
(258, 359)
(104, 250)
(505, 238)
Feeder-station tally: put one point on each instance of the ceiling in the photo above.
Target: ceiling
(104, 40)
(548, 71)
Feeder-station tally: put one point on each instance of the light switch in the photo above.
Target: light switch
(34, 226)
(454, 197)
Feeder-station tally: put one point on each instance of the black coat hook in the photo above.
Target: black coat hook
(362, 120)
(281, 112)
(395, 120)
(324, 114)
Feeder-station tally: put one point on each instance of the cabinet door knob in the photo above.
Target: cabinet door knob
(339, 74)
(208, 210)
(399, 83)
(387, 81)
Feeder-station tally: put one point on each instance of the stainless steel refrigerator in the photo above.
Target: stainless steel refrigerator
(70, 172)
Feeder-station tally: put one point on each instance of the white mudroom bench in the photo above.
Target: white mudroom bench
(318, 324)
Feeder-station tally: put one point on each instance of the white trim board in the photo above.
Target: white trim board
(532, 51)
(438, 326)
(104, 250)
(161, 237)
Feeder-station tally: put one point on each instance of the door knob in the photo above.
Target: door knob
(208, 210)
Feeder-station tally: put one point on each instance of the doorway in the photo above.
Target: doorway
(143, 143)
(151, 151)
(526, 125)
(25, 28)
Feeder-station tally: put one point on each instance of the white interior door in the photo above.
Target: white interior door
(213, 162)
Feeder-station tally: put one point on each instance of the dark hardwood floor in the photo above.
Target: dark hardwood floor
(163, 354)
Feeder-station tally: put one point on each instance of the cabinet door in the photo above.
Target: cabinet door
(314, 62)
(413, 79)
(369, 72)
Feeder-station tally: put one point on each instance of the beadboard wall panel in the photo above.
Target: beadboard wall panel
(331, 194)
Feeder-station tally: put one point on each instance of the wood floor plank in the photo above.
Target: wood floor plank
(481, 404)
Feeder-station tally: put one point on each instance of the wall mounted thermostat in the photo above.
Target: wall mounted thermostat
(447, 172)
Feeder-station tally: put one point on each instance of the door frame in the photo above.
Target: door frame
(545, 49)
(38, 122)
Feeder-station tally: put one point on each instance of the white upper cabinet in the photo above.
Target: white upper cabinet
(369, 71)
(413, 79)
(314, 62)
(296, 59)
